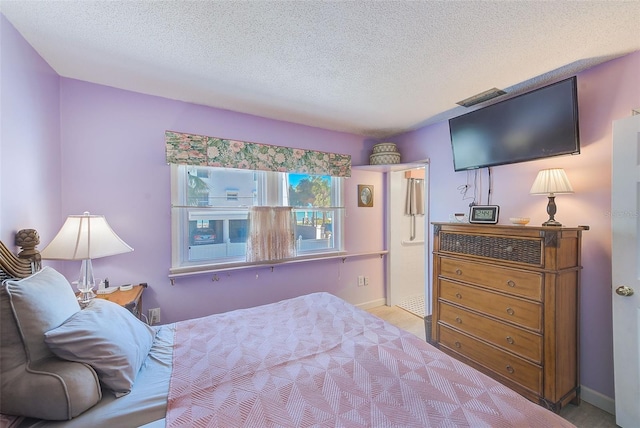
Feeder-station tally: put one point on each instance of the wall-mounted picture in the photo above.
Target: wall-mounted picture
(365, 195)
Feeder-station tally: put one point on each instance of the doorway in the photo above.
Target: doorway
(407, 240)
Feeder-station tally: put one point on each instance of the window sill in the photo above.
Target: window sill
(208, 269)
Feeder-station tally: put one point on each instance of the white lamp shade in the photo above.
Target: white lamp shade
(85, 237)
(551, 181)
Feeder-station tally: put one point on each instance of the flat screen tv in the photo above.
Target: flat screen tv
(535, 125)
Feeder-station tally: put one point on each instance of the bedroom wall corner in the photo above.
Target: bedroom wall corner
(30, 168)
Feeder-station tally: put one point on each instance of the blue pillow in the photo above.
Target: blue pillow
(107, 337)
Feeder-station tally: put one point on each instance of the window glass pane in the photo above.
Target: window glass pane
(221, 187)
(314, 228)
(197, 187)
(204, 232)
(238, 230)
(309, 190)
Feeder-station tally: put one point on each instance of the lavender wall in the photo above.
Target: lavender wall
(29, 138)
(605, 93)
(113, 163)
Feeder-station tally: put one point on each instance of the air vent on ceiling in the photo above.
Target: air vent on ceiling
(481, 97)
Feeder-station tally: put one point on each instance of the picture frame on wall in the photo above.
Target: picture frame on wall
(365, 195)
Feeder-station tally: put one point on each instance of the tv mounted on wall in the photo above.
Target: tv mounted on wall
(535, 125)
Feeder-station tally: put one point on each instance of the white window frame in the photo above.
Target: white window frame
(270, 191)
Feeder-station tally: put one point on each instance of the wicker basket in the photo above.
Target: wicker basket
(384, 158)
(385, 148)
(502, 248)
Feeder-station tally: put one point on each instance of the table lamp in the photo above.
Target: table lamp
(85, 237)
(551, 182)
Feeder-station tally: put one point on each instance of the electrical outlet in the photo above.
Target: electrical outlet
(154, 316)
(366, 280)
(360, 281)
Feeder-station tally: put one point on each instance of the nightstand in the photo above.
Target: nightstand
(130, 299)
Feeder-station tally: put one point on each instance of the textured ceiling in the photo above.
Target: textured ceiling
(372, 68)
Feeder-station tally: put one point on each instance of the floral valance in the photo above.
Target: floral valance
(199, 150)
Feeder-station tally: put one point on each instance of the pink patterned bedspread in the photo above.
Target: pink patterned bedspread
(318, 361)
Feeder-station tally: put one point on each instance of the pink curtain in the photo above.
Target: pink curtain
(271, 235)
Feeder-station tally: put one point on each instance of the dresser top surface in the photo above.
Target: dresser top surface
(510, 228)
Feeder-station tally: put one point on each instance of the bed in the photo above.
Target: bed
(313, 360)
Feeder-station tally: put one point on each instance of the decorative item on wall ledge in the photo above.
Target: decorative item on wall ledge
(550, 182)
(384, 154)
(365, 195)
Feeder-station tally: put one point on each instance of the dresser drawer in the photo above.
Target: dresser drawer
(516, 369)
(511, 281)
(508, 248)
(524, 343)
(522, 312)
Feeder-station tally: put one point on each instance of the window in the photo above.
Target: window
(210, 210)
(232, 195)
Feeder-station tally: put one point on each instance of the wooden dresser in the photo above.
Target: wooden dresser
(505, 301)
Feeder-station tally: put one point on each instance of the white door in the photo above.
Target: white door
(625, 224)
(406, 244)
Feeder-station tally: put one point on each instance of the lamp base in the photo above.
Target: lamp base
(85, 296)
(551, 210)
(86, 283)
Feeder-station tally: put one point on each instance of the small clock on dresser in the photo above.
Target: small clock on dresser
(484, 214)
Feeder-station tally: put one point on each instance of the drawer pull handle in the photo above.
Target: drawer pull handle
(510, 311)
(458, 344)
(509, 249)
(510, 283)
(510, 340)
(510, 369)
(459, 296)
(458, 271)
(458, 320)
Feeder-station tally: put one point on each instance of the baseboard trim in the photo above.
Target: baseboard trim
(372, 304)
(598, 400)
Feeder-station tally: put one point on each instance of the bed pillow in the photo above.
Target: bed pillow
(107, 337)
(34, 382)
(41, 302)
